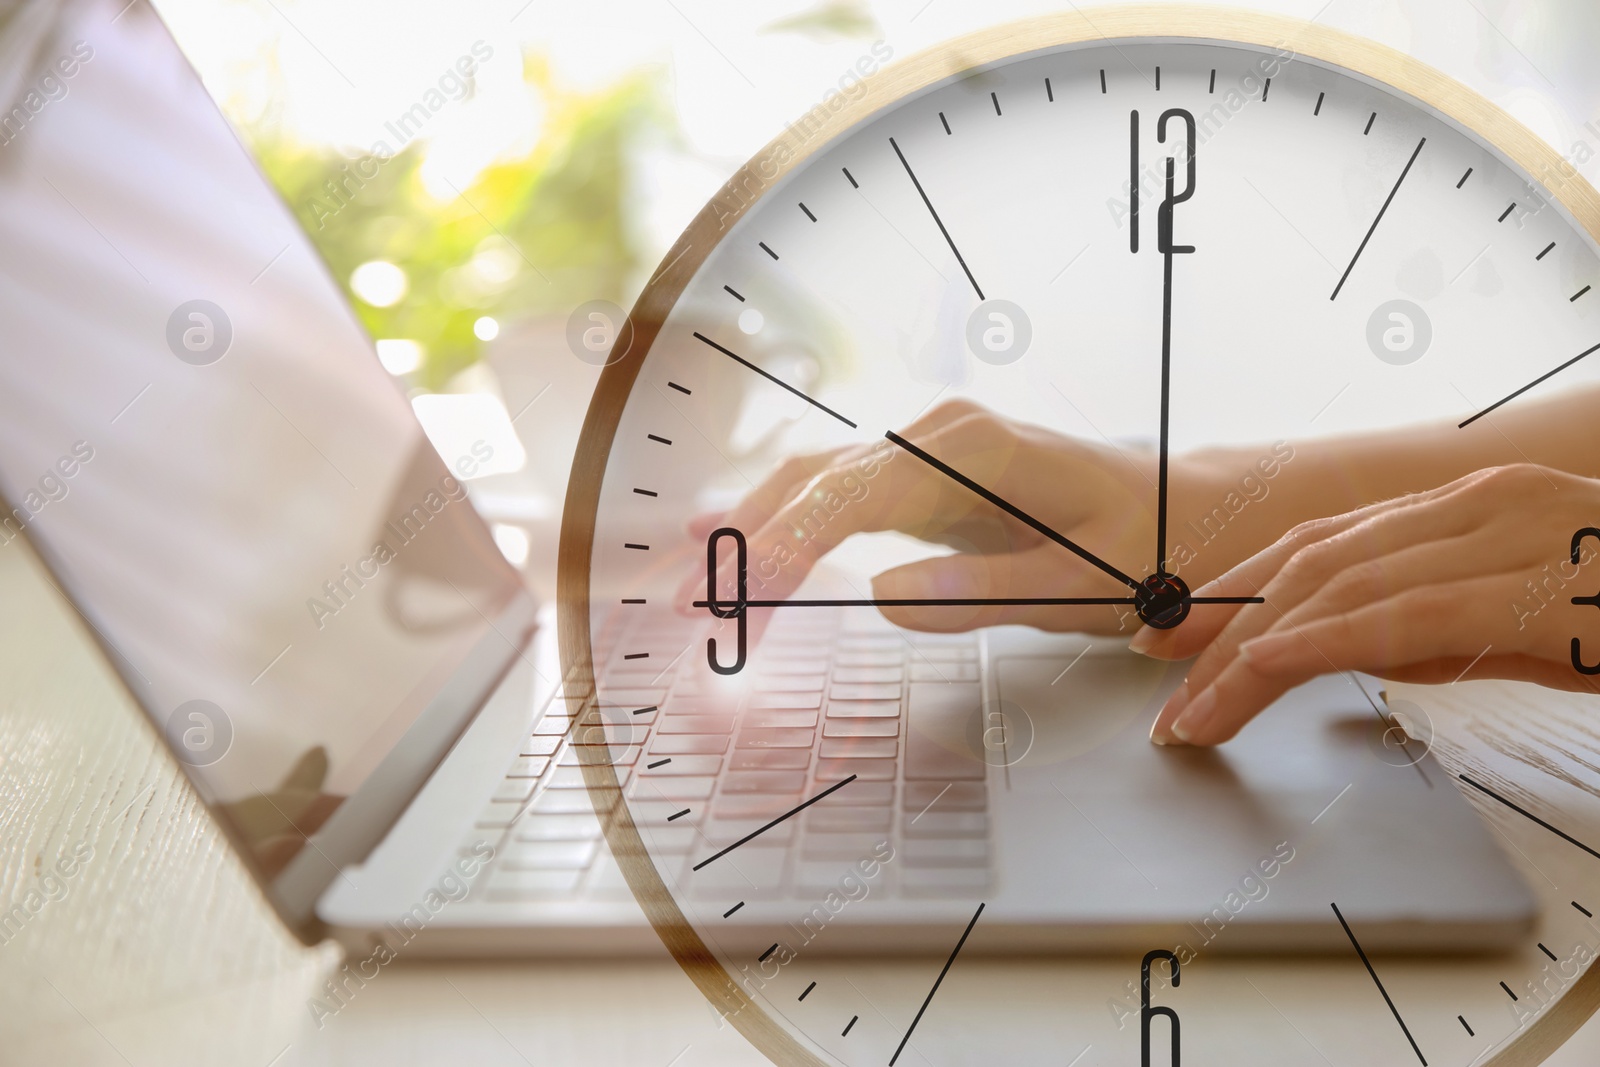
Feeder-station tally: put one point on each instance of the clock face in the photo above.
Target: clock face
(1154, 242)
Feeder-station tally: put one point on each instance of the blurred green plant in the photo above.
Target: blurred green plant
(530, 236)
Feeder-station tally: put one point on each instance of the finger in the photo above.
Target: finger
(1351, 554)
(1200, 628)
(788, 481)
(1340, 562)
(1416, 626)
(1043, 571)
(1319, 546)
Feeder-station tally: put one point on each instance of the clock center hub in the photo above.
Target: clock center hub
(1163, 601)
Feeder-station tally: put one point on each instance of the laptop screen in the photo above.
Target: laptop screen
(197, 437)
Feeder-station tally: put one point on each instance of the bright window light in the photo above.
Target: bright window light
(399, 355)
(472, 431)
(379, 282)
(486, 328)
(512, 541)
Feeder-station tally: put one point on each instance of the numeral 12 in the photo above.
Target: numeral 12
(1164, 211)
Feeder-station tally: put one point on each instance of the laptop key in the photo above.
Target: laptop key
(674, 788)
(571, 777)
(944, 672)
(793, 738)
(786, 782)
(861, 728)
(848, 820)
(528, 766)
(753, 805)
(689, 744)
(830, 771)
(781, 666)
(792, 683)
(696, 724)
(947, 706)
(864, 709)
(780, 720)
(811, 700)
(773, 759)
(859, 748)
(922, 797)
(548, 855)
(499, 814)
(937, 823)
(865, 691)
(507, 886)
(888, 657)
(868, 675)
(618, 733)
(658, 765)
(514, 789)
(569, 826)
(539, 745)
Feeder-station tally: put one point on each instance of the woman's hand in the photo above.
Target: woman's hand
(1101, 498)
(1420, 588)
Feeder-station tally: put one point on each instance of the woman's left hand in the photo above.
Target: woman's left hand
(1476, 574)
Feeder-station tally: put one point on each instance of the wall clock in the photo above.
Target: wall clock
(1159, 229)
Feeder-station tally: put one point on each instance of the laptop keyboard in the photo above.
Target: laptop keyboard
(830, 696)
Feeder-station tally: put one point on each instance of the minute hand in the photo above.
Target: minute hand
(1014, 511)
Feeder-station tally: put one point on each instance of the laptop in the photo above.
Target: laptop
(199, 443)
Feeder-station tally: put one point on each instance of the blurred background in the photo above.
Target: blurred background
(473, 173)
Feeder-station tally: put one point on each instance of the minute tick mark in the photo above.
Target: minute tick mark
(809, 215)
(996, 101)
(945, 122)
(1318, 109)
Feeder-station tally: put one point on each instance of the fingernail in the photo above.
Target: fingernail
(1162, 735)
(1144, 640)
(1195, 716)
